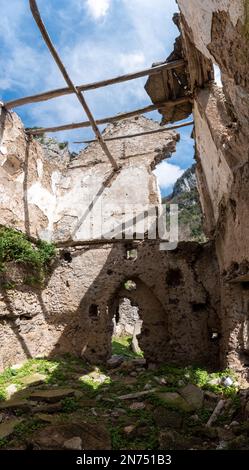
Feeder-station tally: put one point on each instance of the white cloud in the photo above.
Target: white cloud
(151, 21)
(137, 33)
(98, 8)
(167, 174)
(131, 61)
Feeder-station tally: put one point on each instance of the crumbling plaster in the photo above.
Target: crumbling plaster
(57, 198)
(73, 312)
(199, 14)
(218, 30)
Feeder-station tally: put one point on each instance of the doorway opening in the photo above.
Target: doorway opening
(148, 321)
(127, 326)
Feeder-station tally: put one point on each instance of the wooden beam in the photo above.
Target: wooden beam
(48, 95)
(139, 134)
(106, 120)
(78, 93)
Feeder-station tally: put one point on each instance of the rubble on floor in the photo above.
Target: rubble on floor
(165, 407)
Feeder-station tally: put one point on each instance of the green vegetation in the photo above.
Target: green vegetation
(63, 145)
(15, 246)
(56, 371)
(144, 435)
(39, 137)
(200, 377)
(118, 439)
(2, 394)
(130, 285)
(185, 194)
(121, 346)
(96, 400)
(69, 405)
(190, 215)
(95, 380)
(3, 442)
(24, 429)
(7, 285)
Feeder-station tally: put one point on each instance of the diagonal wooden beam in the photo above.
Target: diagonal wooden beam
(110, 119)
(51, 94)
(139, 134)
(78, 93)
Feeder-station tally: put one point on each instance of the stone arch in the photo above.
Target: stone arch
(153, 339)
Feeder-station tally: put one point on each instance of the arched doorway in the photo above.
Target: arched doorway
(127, 326)
(147, 318)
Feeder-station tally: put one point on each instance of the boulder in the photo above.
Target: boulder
(137, 406)
(173, 399)
(8, 427)
(47, 408)
(11, 390)
(46, 417)
(92, 436)
(34, 379)
(15, 405)
(129, 429)
(139, 362)
(193, 395)
(73, 444)
(115, 361)
(52, 396)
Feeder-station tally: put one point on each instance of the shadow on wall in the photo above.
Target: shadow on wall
(93, 335)
(179, 316)
(14, 321)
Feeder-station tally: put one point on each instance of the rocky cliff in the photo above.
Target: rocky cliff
(185, 194)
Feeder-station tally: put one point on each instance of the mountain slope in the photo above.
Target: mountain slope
(185, 194)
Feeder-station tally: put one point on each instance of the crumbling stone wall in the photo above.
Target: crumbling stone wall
(177, 296)
(125, 318)
(53, 197)
(219, 30)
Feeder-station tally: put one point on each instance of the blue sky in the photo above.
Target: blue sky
(96, 39)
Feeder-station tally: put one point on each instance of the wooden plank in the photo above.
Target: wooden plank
(171, 83)
(78, 93)
(106, 120)
(139, 134)
(132, 396)
(51, 94)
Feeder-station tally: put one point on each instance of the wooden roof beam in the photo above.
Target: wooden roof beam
(111, 119)
(78, 93)
(51, 94)
(140, 134)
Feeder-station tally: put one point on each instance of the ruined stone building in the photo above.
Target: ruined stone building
(193, 300)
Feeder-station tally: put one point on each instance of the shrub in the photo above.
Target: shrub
(63, 145)
(15, 246)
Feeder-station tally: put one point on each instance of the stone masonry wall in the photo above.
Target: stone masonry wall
(177, 295)
(58, 198)
(219, 29)
(125, 319)
(51, 196)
